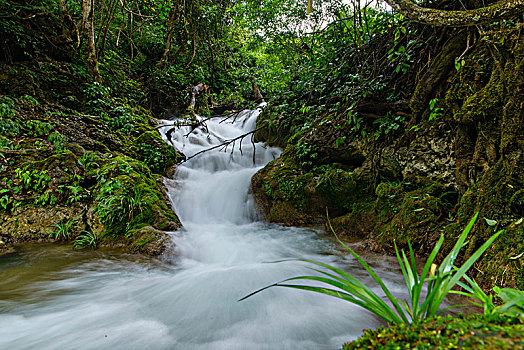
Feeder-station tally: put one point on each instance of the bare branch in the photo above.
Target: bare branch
(225, 144)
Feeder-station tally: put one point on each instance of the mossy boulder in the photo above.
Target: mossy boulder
(357, 224)
(150, 241)
(414, 210)
(128, 198)
(286, 193)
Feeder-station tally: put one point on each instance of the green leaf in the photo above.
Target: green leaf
(490, 222)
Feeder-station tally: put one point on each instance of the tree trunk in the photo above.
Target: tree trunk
(497, 11)
(67, 18)
(170, 31)
(88, 35)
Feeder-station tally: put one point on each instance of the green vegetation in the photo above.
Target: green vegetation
(86, 240)
(63, 229)
(126, 198)
(463, 332)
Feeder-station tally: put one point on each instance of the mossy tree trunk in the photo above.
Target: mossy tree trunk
(489, 151)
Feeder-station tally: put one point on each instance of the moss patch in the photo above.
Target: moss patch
(128, 198)
(289, 194)
(471, 332)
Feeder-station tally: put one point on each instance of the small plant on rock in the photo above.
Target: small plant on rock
(86, 240)
(63, 229)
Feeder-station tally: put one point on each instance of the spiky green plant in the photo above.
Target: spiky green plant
(63, 229)
(513, 299)
(439, 280)
(86, 240)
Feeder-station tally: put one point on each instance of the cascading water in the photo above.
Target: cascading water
(91, 300)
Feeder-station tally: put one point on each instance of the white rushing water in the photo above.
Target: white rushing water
(190, 301)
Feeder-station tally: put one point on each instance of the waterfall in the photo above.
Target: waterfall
(214, 185)
(93, 300)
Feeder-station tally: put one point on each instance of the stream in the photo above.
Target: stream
(54, 298)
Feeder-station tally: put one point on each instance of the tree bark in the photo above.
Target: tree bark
(88, 35)
(497, 11)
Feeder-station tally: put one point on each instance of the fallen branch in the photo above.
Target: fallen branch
(225, 144)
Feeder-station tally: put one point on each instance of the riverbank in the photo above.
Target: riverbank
(88, 177)
(392, 164)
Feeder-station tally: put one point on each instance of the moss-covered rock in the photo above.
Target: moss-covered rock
(413, 210)
(471, 332)
(37, 224)
(285, 194)
(149, 240)
(128, 198)
(357, 224)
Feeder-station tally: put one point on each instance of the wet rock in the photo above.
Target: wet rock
(285, 193)
(148, 240)
(93, 222)
(28, 224)
(355, 225)
(429, 155)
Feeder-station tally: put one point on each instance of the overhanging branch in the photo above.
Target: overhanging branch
(497, 11)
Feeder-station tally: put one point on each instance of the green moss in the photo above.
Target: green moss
(471, 332)
(285, 181)
(358, 223)
(60, 162)
(411, 210)
(154, 152)
(128, 198)
(340, 188)
(287, 193)
(485, 103)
